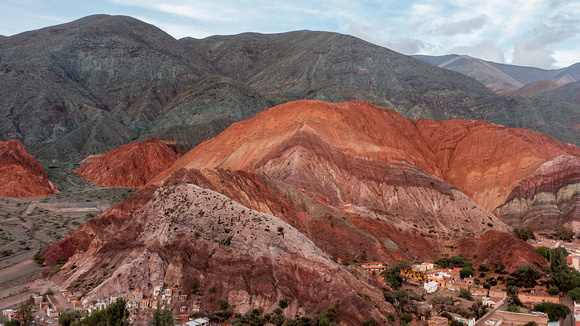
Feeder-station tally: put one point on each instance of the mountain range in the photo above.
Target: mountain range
(102, 81)
(515, 80)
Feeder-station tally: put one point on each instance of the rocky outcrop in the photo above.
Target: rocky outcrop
(547, 197)
(21, 175)
(131, 165)
(251, 259)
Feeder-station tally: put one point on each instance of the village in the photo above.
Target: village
(48, 307)
(426, 279)
(433, 282)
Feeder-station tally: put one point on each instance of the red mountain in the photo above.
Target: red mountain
(131, 165)
(300, 141)
(370, 164)
(20, 174)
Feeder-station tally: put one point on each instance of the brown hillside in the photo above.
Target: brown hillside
(21, 175)
(535, 88)
(131, 165)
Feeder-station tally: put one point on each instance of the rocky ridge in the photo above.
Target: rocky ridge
(252, 259)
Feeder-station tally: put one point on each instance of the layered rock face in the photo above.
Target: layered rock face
(547, 197)
(131, 165)
(252, 259)
(21, 175)
(371, 164)
(344, 143)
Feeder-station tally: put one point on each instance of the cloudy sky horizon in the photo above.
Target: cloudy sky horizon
(537, 33)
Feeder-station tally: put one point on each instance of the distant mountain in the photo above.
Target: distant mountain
(535, 88)
(569, 93)
(489, 73)
(88, 86)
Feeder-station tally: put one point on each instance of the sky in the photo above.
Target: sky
(537, 33)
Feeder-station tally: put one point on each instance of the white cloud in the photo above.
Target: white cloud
(464, 26)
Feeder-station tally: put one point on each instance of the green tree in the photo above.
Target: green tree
(555, 311)
(224, 305)
(561, 275)
(24, 312)
(527, 275)
(478, 309)
(574, 294)
(369, 322)
(524, 233)
(563, 232)
(393, 277)
(67, 318)
(483, 268)
(162, 317)
(114, 315)
(195, 286)
(464, 293)
(467, 271)
(544, 251)
(554, 290)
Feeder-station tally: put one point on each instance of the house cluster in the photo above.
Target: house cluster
(139, 304)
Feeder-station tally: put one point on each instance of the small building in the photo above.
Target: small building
(479, 290)
(183, 297)
(493, 302)
(52, 313)
(157, 289)
(38, 300)
(440, 282)
(466, 321)
(437, 321)
(430, 287)
(376, 267)
(138, 295)
(514, 318)
(144, 303)
(9, 314)
(534, 299)
(428, 266)
(198, 322)
(497, 292)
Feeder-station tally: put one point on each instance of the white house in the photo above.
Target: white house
(198, 322)
(492, 302)
(430, 287)
(468, 322)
